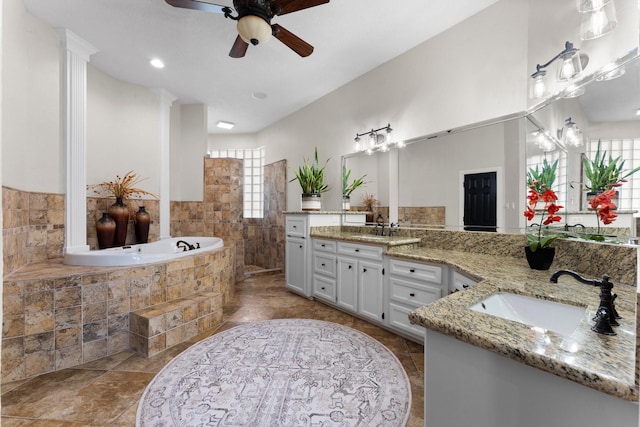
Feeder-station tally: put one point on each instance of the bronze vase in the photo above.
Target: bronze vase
(120, 214)
(105, 230)
(141, 225)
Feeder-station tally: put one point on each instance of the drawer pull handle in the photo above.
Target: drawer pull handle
(295, 226)
(465, 286)
(323, 245)
(349, 267)
(322, 289)
(323, 264)
(364, 270)
(412, 294)
(357, 250)
(412, 270)
(300, 246)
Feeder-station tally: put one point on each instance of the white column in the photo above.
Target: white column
(75, 53)
(166, 99)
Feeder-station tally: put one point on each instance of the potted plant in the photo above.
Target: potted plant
(538, 250)
(349, 187)
(369, 201)
(604, 174)
(310, 176)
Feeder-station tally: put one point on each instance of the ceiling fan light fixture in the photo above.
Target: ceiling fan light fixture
(254, 30)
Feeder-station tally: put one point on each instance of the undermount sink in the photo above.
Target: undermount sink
(550, 315)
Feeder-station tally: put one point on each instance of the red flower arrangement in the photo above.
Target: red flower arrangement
(605, 208)
(549, 197)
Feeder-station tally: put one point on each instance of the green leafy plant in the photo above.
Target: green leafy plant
(311, 176)
(604, 172)
(542, 178)
(350, 187)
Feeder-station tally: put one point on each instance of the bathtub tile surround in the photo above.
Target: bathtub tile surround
(58, 316)
(32, 229)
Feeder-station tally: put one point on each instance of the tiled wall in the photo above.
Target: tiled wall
(432, 216)
(265, 237)
(33, 227)
(57, 316)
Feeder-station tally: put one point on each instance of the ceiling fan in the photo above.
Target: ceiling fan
(254, 21)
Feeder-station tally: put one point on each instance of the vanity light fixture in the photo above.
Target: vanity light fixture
(573, 91)
(610, 71)
(570, 66)
(598, 18)
(156, 63)
(571, 134)
(377, 140)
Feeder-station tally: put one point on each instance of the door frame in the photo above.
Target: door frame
(500, 197)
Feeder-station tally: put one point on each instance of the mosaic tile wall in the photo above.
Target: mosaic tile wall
(223, 190)
(432, 216)
(57, 316)
(33, 227)
(264, 238)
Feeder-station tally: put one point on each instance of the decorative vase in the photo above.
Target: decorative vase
(346, 203)
(105, 230)
(369, 217)
(541, 259)
(141, 225)
(120, 214)
(311, 201)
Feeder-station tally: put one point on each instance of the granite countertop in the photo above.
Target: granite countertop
(605, 363)
(323, 213)
(368, 238)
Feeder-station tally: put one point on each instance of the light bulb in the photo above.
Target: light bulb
(567, 71)
(539, 87)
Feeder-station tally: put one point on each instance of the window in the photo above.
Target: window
(253, 195)
(629, 150)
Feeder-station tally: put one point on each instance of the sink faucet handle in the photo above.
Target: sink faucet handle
(603, 322)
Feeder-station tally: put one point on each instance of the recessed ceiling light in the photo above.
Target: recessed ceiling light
(157, 63)
(225, 125)
(259, 95)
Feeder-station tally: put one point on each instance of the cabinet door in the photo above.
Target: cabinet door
(347, 284)
(295, 264)
(370, 293)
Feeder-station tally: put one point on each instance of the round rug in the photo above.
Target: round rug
(290, 372)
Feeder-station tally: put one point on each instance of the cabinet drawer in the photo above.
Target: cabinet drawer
(416, 295)
(324, 287)
(324, 245)
(360, 251)
(420, 272)
(399, 319)
(460, 282)
(296, 226)
(324, 264)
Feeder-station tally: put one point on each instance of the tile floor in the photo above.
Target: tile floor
(106, 392)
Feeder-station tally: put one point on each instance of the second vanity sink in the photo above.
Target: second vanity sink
(557, 317)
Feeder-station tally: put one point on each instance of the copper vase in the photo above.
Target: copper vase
(120, 214)
(105, 230)
(141, 225)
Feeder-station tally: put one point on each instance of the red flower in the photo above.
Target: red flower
(604, 206)
(549, 196)
(529, 213)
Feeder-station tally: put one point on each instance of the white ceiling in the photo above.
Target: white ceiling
(350, 38)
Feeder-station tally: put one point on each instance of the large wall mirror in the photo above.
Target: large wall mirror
(606, 109)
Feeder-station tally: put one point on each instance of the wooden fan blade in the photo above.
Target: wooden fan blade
(197, 5)
(294, 42)
(288, 6)
(239, 48)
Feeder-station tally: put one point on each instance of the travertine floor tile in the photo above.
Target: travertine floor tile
(106, 392)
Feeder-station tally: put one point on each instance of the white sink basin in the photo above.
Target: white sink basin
(557, 317)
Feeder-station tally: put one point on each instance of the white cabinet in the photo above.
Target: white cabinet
(296, 255)
(298, 261)
(412, 285)
(359, 281)
(324, 269)
(460, 282)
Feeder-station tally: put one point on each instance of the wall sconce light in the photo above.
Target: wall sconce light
(544, 141)
(570, 66)
(378, 140)
(598, 18)
(571, 134)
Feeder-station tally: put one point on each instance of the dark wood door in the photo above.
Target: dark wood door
(480, 202)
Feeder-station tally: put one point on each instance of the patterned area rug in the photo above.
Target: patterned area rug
(292, 372)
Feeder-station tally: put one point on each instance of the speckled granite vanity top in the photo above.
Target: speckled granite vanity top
(369, 238)
(601, 362)
(604, 363)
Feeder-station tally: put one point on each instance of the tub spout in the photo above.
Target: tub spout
(185, 245)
